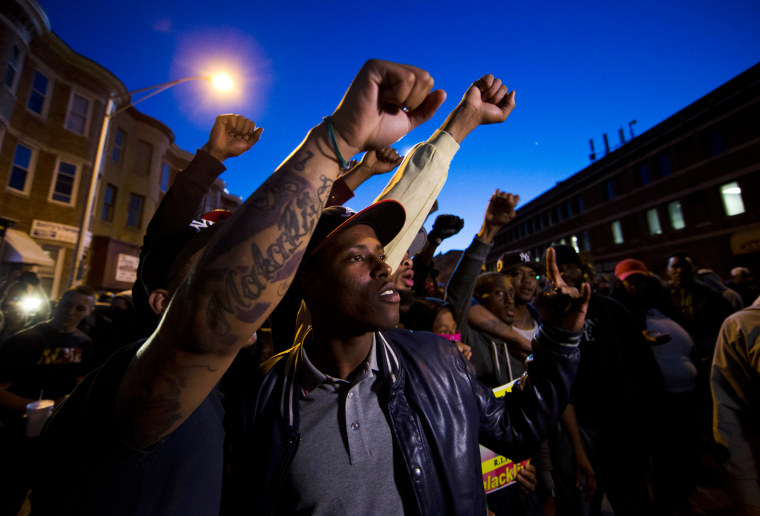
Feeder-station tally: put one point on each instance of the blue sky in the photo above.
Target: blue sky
(580, 69)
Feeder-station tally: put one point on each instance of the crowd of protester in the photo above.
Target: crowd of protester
(621, 384)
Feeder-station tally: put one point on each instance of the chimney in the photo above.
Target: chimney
(592, 156)
(606, 144)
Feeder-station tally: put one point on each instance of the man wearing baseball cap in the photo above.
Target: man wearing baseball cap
(524, 272)
(357, 404)
(360, 406)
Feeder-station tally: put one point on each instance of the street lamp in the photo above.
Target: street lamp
(221, 82)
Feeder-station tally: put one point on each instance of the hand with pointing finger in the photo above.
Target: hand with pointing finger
(564, 307)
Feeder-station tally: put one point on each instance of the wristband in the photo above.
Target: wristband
(344, 165)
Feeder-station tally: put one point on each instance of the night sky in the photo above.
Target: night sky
(580, 69)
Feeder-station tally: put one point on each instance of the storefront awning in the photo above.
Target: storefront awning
(18, 247)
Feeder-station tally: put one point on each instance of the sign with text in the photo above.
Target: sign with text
(126, 267)
(499, 471)
(54, 231)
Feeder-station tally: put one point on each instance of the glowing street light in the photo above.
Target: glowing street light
(221, 82)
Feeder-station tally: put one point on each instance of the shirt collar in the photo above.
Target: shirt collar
(311, 377)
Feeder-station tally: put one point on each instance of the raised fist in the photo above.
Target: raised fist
(384, 102)
(446, 226)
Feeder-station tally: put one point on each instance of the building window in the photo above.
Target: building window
(79, 109)
(644, 178)
(21, 172)
(11, 72)
(134, 211)
(717, 143)
(63, 185)
(109, 202)
(617, 232)
(119, 141)
(665, 168)
(586, 241)
(165, 178)
(50, 276)
(569, 208)
(653, 221)
(144, 157)
(732, 199)
(676, 215)
(609, 190)
(578, 204)
(39, 92)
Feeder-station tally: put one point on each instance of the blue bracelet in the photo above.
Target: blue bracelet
(344, 165)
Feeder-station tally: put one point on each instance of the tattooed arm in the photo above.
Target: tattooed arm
(482, 319)
(247, 267)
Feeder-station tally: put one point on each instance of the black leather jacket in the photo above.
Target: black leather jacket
(438, 413)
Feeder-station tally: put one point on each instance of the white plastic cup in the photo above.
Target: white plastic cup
(37, 413)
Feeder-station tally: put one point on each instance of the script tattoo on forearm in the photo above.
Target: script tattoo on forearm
(157, 402)
(291, 207)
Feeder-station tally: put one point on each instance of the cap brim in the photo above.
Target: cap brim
(537, 268)
(625, 275)
(385, 217)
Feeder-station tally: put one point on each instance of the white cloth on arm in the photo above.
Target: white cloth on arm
(416, 185)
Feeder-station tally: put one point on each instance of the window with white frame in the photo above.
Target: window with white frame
(676, 215)
(653, 221)
(39, 92)
(64, 183)
(11, 71)
(79, 112)
(617, 232)
(731, 194)
(50, 275)
(22, 170)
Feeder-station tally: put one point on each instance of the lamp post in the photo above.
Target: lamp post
(220, 82)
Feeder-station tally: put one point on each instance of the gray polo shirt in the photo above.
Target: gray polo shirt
(344, 461)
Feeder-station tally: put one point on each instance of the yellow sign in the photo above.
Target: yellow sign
(499, 471)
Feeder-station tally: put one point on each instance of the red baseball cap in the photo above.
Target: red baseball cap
(629, 267)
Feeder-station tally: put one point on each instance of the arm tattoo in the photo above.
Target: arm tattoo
(291, 206)
(495, 327)
(158, 402)
(300, 165)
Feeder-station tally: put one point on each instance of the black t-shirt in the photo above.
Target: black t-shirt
(42, 359)
(86, 469)
(618, 379)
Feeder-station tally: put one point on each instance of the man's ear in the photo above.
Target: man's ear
(158, 300)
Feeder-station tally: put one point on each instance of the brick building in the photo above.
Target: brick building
(52, 104)
(689, 183)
